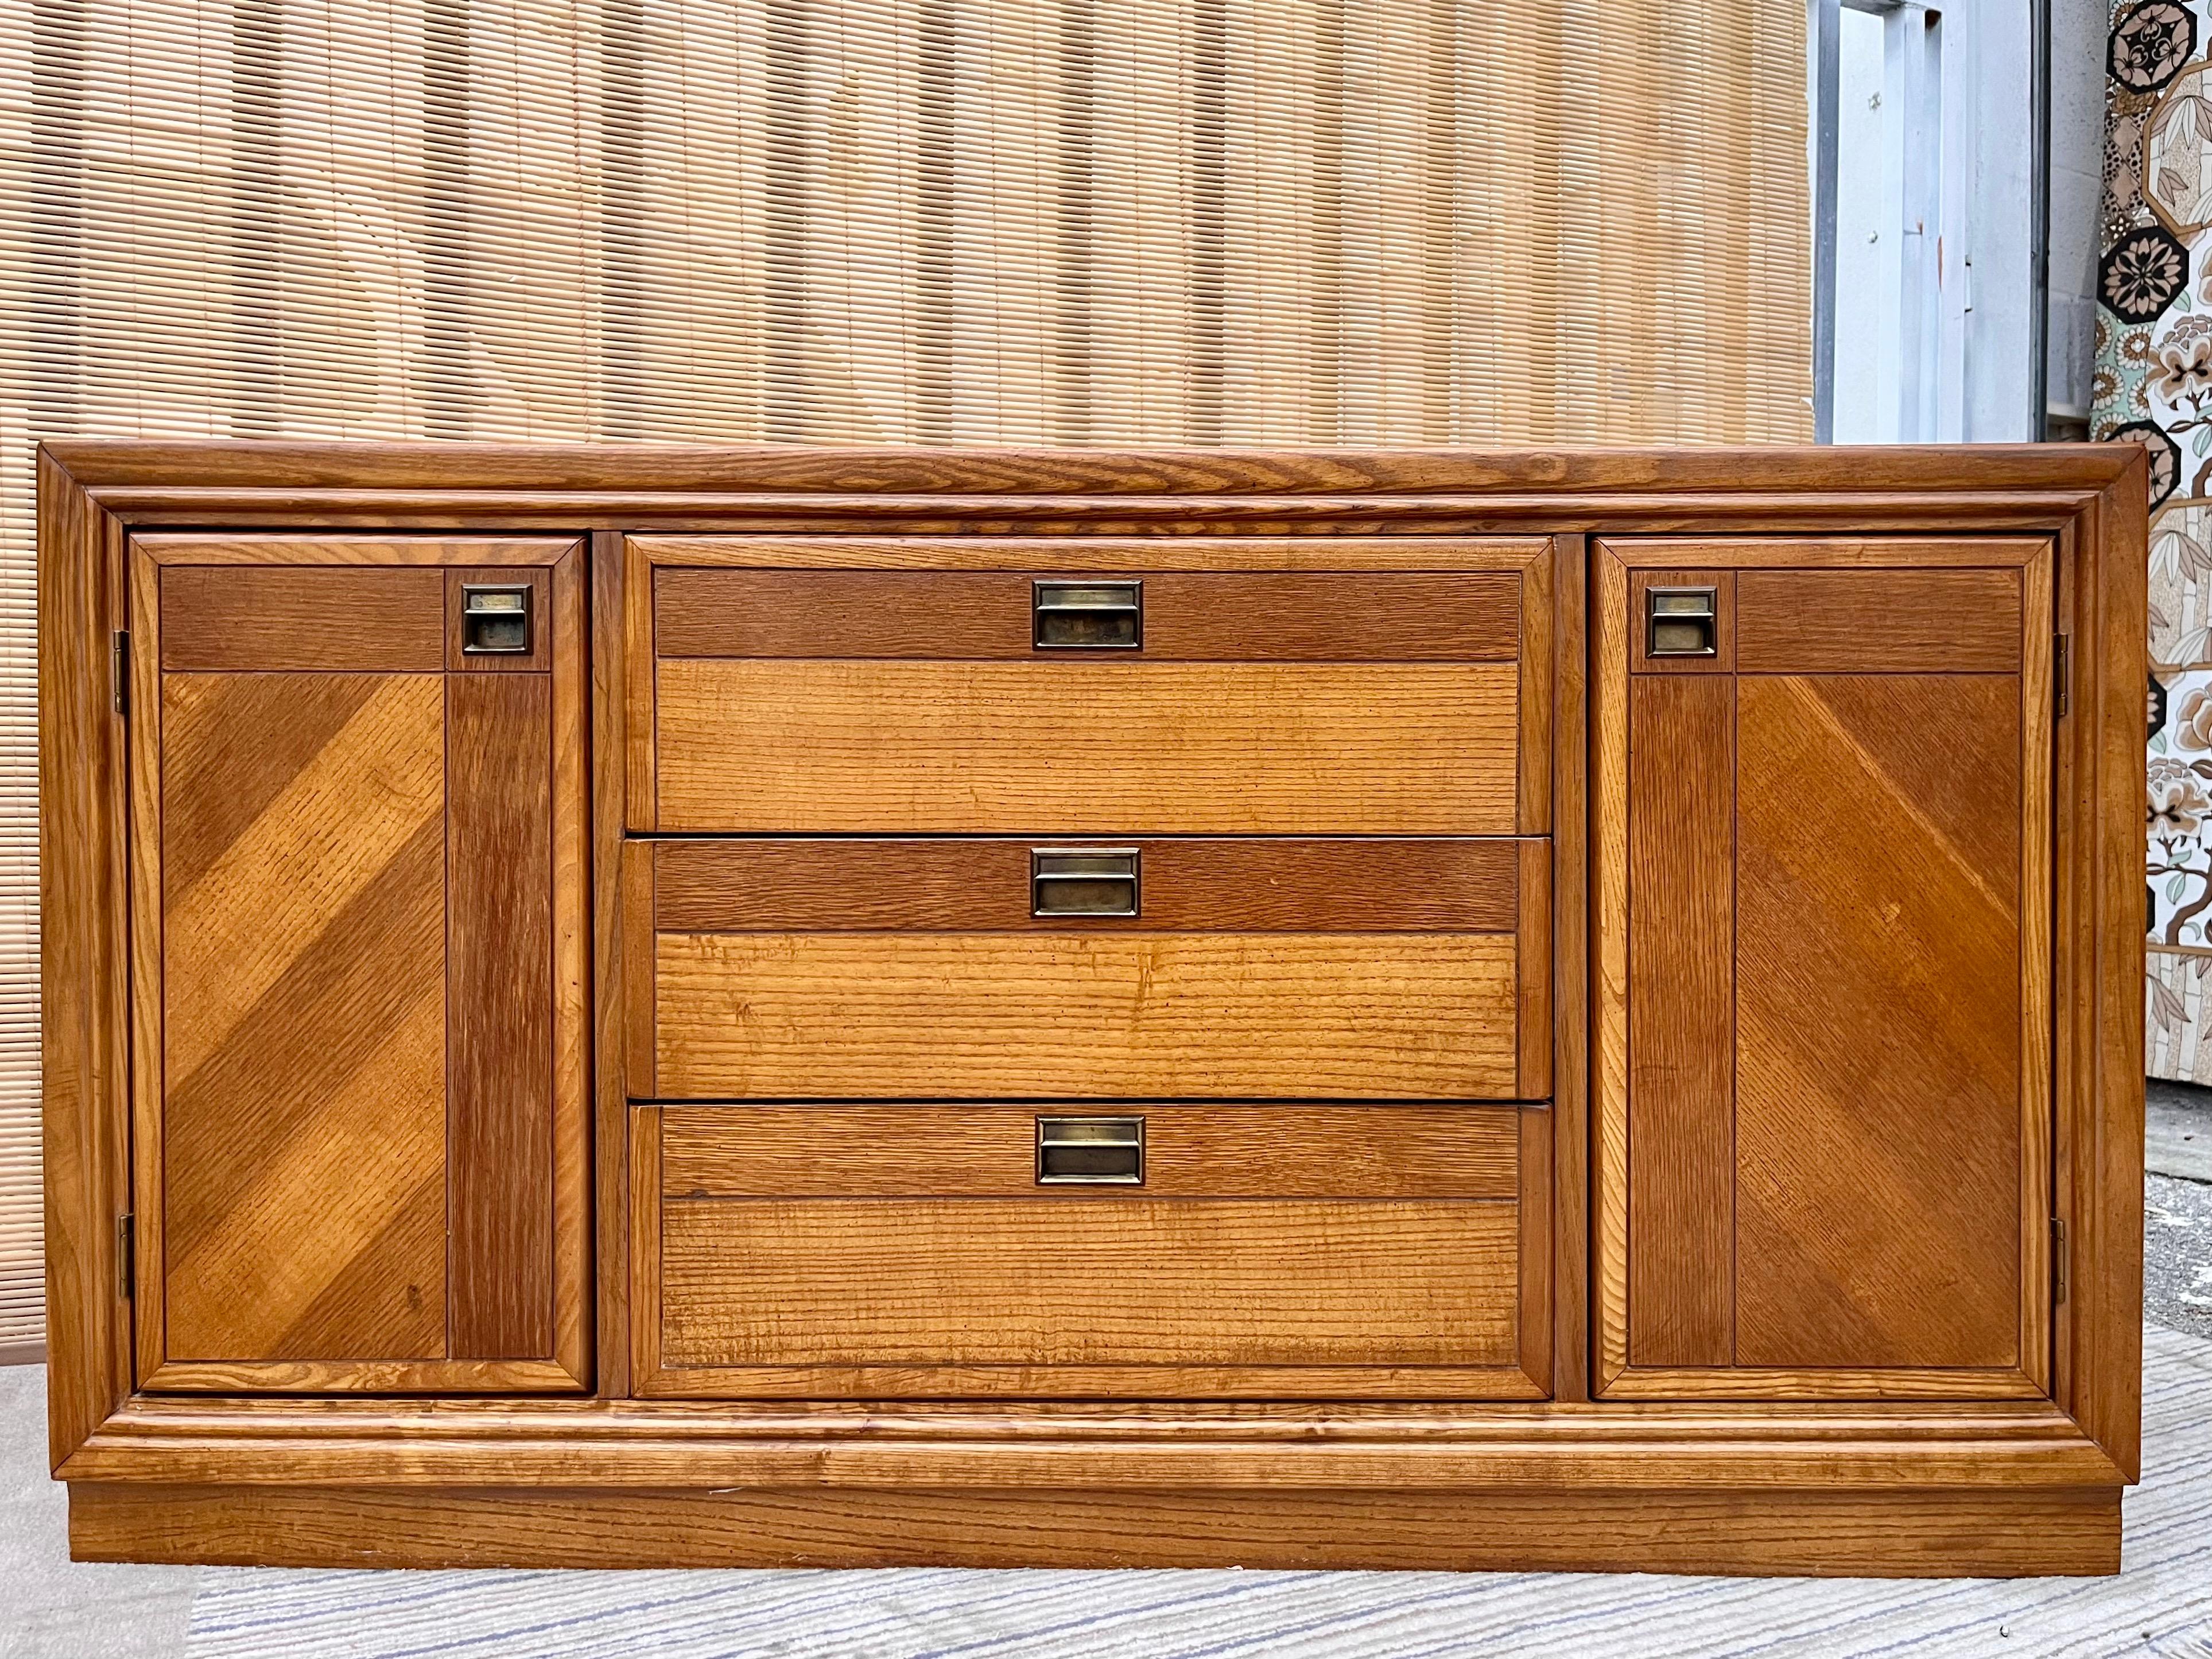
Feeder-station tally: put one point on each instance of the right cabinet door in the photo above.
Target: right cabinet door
(1823, 878)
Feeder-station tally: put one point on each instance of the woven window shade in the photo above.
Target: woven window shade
(1083, 221)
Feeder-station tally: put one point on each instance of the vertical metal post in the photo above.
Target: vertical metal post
(2038, 246)
(1826, 21)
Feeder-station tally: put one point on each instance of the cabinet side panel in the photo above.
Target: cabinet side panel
(1681, 749)
(500, 1019)
(303, 1006)
(1878, 1140)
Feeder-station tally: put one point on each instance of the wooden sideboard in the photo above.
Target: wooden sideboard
(630, 1005)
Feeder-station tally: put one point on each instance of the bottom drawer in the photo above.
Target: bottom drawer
(926, 1251)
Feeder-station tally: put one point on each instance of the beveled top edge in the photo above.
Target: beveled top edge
(802, 469)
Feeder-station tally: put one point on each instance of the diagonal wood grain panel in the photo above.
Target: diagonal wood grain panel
(304, 1013)
(1878, 1134)
(257, 732)
(232, 931)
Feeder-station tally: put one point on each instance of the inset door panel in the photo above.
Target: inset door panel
(1237, 694)
(1161, 1249)
(359, 985)
(1144, 967)
(1824, 1019)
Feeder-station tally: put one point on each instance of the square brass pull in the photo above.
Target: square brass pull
(495, 621)
(1090, 1151)
(1680, 622)
(1083, 881)
(1088, 616)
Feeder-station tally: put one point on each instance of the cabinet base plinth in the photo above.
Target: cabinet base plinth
(1909, 1534)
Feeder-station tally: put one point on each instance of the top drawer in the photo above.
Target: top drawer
(1347, 686)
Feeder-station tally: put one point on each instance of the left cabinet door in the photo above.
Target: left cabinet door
(359, 1003)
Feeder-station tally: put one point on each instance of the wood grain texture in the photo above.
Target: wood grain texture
(1189, 616)
(1211, 1151)
(1879, 621)
(1747, 1383)
(1608, 1139)
(1140, 1281)
(1878, 1076)
(1723, 584)
(632, 627)
(270, 784)
(266, 617)
(1229, 884)
(608, 990)
(2031, 1532)
(2038, 1200)
(371, 1377)
(499, 1006)
(788, 745)
(1681, 1020)
(304, 1042)
(1646, 1446)
(1571, 968)
(1536, 1247)
(2091, 499)
(84, 1007)
(545, 625)
(292, 547)
(640, 1010)
(1852, 511)
(573, 1012)
(1084, 1015)
(885, 470)
(2100, 761)
(1533, 963)
(148, 1322)
(1537, 714)
(1087, 551)
(1844, 549)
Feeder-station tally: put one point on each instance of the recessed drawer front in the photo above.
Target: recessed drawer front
(1018, 700)
(919, 969)
(1268, 1250)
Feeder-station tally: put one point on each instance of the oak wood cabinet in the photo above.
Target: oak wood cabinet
(1427, 1009)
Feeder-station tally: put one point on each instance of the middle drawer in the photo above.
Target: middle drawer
(867, 969)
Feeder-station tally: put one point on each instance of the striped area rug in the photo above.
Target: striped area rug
(2159, 1605)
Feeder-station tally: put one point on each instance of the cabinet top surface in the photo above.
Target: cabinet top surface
(782, 469)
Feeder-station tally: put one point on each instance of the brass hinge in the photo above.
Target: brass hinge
(125, 1241)
(122, 672)
(2058, 666)
(2057, 1260)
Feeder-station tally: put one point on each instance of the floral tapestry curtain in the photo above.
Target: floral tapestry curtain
(2154, 387)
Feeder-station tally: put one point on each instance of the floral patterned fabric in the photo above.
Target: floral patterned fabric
(2154, 387)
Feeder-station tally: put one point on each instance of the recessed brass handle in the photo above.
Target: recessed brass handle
(1083, 881)
(495, 621)
(1680, 622)
(1088, 616)
(1090, 1151)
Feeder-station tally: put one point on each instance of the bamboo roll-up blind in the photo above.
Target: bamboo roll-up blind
(1249, 221)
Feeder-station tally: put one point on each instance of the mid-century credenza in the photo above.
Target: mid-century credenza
(630, 1005)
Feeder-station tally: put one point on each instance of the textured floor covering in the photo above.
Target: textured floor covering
(2160, 1604)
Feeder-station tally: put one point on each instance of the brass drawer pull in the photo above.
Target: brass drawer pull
(1680, 622)
(495, 621)
(1089, 616)
(1083, 881)
(1092, 1151)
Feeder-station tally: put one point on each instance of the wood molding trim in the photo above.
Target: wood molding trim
(1489, 1446)
(82, 864)
(2012, 1532)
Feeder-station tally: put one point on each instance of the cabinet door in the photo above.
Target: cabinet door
(1822, 1141)
(357, 804)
